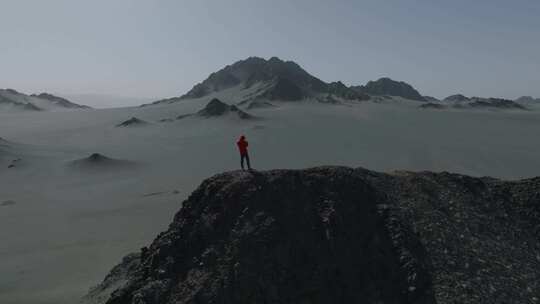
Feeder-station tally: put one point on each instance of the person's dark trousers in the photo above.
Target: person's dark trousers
(244, 157)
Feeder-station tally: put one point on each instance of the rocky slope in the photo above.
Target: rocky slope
(387, 86)
(341, 235)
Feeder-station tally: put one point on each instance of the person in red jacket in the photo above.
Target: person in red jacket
(243, 148)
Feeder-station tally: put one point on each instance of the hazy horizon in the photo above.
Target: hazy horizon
(162, 48)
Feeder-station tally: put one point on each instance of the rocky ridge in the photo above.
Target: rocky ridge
(341, 235)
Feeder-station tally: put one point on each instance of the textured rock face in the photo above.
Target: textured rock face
(285, 90)
(341, 235)
(254, 70)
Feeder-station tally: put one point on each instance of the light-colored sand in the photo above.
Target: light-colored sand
(68, 227)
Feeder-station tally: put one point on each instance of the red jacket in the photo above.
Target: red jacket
(242, 146)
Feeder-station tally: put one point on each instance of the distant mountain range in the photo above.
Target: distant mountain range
(462, 101)
(11, 100)
(254, 79)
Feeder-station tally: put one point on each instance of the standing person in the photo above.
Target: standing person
(242, 147)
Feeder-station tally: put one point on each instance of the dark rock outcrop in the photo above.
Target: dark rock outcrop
(217, 108)
(7, 203)
(432, 105)
(341, 90)
(113, 281)
(100, 162)
(285, 90)
(132, 122)
(387, 86)
(341, 235)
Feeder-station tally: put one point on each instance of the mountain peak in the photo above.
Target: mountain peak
(274, 79)
(388, 86)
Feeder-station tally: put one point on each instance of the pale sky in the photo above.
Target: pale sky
(162, 48)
